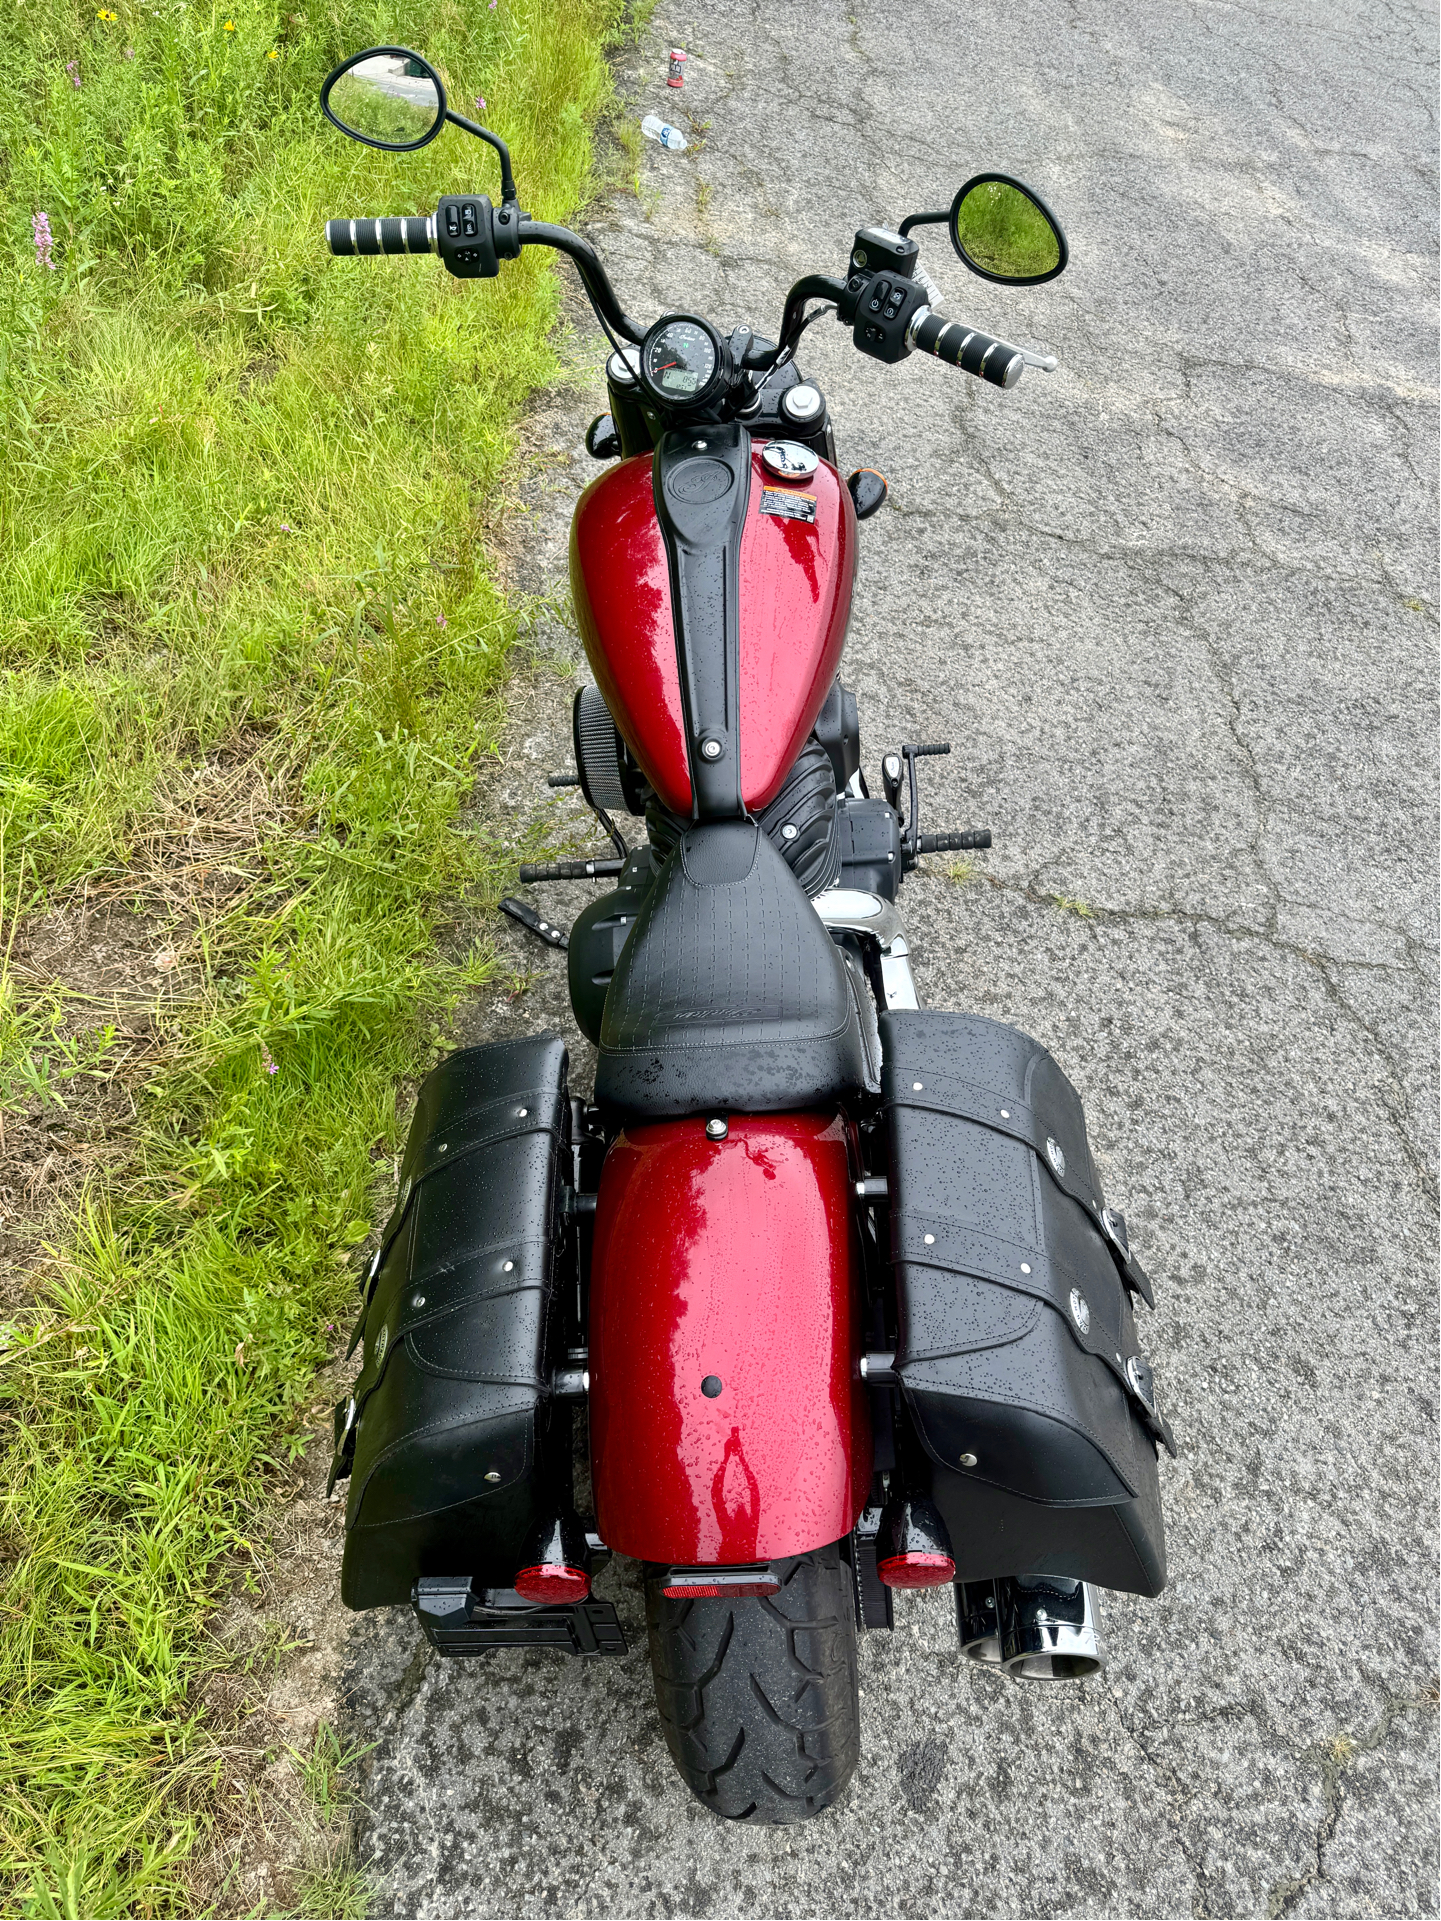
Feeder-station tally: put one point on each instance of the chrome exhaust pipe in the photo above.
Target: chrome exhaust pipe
(1047, 1628)
(976, 1622)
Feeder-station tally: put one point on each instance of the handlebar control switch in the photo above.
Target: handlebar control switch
(465, 236)
(884, 310)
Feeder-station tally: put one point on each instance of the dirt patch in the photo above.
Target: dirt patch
(273, 1696)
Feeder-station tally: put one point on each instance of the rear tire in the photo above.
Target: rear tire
(759, 1698)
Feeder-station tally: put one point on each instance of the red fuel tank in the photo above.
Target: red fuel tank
(795, 598)
(728, 1419)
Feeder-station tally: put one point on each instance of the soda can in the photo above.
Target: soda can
(676, 75)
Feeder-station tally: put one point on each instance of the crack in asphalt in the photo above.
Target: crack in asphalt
(1394, 1085)
(1333, 1762)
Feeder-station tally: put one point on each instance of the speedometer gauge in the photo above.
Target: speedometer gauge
(681, 361)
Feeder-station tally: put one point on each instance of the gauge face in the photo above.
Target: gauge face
(680, 361)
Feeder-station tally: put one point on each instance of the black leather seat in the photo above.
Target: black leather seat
(730, 995)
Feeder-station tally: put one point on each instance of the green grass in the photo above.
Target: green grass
(250, 650)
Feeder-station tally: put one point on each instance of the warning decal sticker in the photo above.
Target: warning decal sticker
(786, 505)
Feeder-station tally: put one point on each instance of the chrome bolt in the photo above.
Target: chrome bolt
(1055, 1156)
(1080, 1309)
(493, 1475)
(968, 1460)
(710, 749)
(717, 1129)
(788, 832)
(444, 1148)
(1005, 1113)
(1025, 1267)
(930, 1240)
(507, 1267)
(917, 1087)
(521, 1112)
(417, 1300)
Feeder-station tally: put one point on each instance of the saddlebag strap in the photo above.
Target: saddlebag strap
(936, 1242)
(948, 1094)
(535, 1110)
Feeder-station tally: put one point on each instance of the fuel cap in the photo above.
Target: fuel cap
(788, 460)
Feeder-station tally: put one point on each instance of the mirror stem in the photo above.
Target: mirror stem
(924, 220)
(507, 179)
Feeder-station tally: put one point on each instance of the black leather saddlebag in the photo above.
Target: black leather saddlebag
(448, 1438)
(1017, 1351)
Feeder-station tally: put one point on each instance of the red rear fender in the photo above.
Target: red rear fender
(728, 1420)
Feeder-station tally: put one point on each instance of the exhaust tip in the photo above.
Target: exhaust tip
(977, 1624)
(1048, 1628)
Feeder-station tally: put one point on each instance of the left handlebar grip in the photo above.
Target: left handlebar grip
(412, 233)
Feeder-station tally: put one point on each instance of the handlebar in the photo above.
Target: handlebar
(472, 239)
(975, 353)
(412, 233)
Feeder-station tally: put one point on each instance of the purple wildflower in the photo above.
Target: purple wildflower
(285, 527)
(270, 1066)
(44, 240)
(480, 102)
(130, 53)
(72, 67)
(440, 620)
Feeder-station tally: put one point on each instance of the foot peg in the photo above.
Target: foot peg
(901, 767)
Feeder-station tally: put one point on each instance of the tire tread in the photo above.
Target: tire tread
(757, 1730)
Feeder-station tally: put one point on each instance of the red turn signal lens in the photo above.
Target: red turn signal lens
(708, 1591)
(552, 1585)
(917, 1570)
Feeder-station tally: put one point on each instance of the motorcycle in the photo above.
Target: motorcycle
(829, 1278)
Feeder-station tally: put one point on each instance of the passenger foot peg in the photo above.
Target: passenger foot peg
(570, 869)
(1035, 1627)
(526, 917)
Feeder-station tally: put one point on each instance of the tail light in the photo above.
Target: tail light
(552, 1584)
(913, 1548)
(916, 1569)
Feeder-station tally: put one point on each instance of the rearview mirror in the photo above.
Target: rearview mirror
(1004, 231)
(387, 97)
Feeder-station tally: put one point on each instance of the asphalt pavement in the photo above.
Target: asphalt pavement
(1175, 606)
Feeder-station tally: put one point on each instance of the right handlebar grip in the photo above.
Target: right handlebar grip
(975, 353)
(413, 233)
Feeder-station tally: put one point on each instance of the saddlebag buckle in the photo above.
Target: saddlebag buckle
(346, 1415)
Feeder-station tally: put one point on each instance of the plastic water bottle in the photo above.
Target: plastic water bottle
(654, 128)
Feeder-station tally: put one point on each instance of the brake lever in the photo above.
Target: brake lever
(1047, 363)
